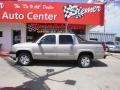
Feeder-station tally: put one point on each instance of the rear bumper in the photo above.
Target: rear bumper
(101, 55)
(12, 54)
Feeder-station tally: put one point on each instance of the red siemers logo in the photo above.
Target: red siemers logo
(78, 12)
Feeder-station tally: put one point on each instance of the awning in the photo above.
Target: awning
(51, 12)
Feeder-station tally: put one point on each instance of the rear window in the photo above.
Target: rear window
(80, 39)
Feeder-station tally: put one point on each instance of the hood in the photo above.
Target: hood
(24, 44)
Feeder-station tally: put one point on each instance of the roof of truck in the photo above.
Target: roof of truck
(59, 33)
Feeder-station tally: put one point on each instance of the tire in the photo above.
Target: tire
(24, 59)
(84, 61)
(16, 61)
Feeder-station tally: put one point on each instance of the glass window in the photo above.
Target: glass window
(117, 43)
(80, 39)
(110, 43)
(50, 39)
(1, 34)
(65, 39)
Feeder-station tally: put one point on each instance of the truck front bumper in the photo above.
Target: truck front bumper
(12, 54)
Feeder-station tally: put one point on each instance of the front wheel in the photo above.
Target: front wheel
(85, 61)
(24, 59)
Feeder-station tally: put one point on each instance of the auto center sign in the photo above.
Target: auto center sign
(51, 12)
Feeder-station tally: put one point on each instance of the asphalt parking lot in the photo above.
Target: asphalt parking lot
(61, 75)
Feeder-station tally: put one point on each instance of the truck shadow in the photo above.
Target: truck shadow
(37, 82)
(55, 63)
(99, 63)
(66, 63)
(60, 63)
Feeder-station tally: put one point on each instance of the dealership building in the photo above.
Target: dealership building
(22, 21)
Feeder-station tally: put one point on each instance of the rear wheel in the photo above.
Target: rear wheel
(24, 59)
(85, 61)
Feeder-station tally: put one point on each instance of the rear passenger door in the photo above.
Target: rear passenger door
(64, 48)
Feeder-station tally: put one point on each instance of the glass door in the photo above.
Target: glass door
(16, 36)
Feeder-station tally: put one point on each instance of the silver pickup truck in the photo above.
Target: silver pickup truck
(58, 46)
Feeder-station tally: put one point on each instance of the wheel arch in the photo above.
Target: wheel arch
(86, 53)
(23, 51)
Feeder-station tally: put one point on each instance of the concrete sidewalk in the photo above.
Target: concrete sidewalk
(70, 80)
(9, 76)
(15, 77)
(104, 75)
(66, 78)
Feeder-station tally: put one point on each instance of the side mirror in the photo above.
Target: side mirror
(39, 43)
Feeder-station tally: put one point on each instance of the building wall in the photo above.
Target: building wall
(101, 37)
(6, 39)
(87, 31)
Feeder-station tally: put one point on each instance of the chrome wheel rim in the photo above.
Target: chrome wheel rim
(24, 59)
(85, 61)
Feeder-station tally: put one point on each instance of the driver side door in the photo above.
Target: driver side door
(47, 50)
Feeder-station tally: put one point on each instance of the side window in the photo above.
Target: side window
(65, 39)
(50, 39)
